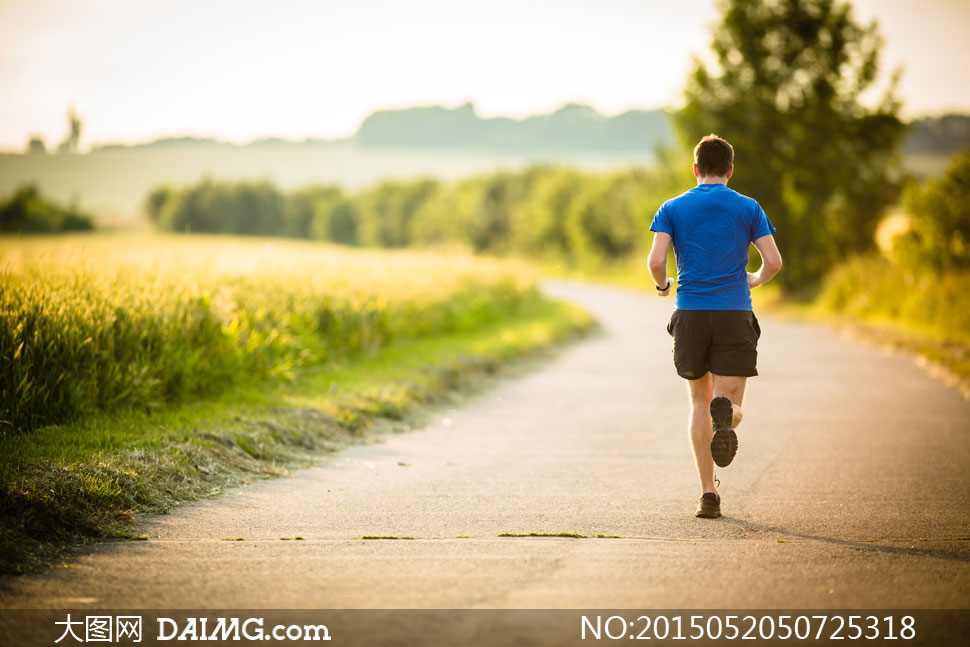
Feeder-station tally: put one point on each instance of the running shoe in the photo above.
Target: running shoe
(709, 507)
(724, 444)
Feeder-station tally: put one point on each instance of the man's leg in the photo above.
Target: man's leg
(700, 392)
(731, 387)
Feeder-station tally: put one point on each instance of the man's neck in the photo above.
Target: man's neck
(712, 180)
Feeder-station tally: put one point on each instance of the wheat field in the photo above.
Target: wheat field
(96, 322)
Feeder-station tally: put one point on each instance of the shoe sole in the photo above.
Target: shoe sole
(724, 444)
(701, 514)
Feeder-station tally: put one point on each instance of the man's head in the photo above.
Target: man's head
(713, 157)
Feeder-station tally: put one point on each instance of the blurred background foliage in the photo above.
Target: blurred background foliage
(920, 277)
(26, 211)
(786, 92)
(551, 213)
(938, 233)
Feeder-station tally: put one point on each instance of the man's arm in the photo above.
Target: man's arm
(657, 261)
(770, 261)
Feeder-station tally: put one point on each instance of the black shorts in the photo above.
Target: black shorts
(724, 342)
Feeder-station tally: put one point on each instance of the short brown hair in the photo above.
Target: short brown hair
(714, 156)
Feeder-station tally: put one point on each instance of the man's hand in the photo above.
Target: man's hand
(770, 261)
(665, 292)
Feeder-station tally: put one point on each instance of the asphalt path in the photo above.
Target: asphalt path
(850, 490)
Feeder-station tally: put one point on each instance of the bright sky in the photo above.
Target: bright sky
(241, 69)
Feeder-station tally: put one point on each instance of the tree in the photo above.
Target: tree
(36, 146)
(786, 93)
(386, 211)
(27, 211)
(939, 220)
(72, 143)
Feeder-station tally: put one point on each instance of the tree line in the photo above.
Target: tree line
(548, 212)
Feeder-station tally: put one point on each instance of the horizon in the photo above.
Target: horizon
(215, 139)
(249, 84)
(335, 140)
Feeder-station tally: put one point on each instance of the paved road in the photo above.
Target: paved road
(850, 489)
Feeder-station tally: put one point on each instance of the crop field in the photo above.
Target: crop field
(95, 323)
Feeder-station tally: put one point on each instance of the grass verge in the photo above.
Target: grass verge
(912, 311)
(64, 485)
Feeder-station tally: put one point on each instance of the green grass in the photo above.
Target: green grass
(913, 310)
(572, 535)
(70, 483)
(874, 289)
(144, 322)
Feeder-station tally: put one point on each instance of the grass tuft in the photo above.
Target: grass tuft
(544, 534)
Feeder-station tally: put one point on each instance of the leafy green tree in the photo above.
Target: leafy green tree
(334, 215)
(490, 221)
(251, 208)
(443, 217)
(540, 221)
(786, 92)
(156, 201)
(617, 213)
(387, 209)
(308, 211)
(939, 220)
(27, 211)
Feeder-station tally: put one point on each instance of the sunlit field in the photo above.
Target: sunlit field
(93, 323)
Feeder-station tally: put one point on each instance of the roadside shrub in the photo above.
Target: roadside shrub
(26, 211)
(939, 220)
(873, 287)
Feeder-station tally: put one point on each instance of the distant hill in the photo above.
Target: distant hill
(573, 128)
(175, 143)
(570, 130)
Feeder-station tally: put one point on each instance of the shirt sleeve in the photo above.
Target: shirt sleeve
(761, 225)
(662, 221)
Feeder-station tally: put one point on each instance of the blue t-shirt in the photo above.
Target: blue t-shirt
(712, 227)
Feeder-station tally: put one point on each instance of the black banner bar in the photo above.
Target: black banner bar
(480, 628)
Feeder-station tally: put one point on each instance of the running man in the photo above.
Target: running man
(715, 331)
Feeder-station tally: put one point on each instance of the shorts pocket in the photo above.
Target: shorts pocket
(755, 326)
(672, 323)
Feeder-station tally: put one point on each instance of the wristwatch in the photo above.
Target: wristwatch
(667, 287)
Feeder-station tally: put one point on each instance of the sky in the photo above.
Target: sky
(137, 70)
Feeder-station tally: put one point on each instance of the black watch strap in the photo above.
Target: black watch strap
(661, 289)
